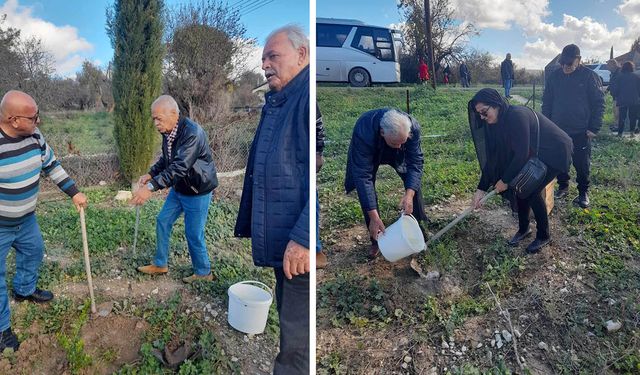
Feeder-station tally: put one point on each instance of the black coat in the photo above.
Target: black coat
(515, 138)
(365, 156)
(574, 102)
(189, 169)
(626, 90)
(506, 70)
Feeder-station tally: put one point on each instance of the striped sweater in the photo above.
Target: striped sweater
(21, 161)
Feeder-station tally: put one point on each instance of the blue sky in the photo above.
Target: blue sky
(534, 31)
(74, 30)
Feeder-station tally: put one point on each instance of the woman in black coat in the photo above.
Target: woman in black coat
(505, 138)
(626, 90)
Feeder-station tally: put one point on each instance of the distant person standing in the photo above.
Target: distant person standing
(573, 100)
(507, 76)
(447, 74)
(423, 72)
(614, 68)
(626, 90)
(465, 76)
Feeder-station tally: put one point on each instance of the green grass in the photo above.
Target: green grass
(87, 132)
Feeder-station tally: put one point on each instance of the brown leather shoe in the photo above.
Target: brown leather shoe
(374, 251)
(321, 260)
(195, 277)
(152, 269)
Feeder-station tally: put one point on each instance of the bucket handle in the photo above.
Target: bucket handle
(264, 286)
(401, 215)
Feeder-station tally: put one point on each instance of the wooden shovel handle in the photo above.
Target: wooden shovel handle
(87, 263)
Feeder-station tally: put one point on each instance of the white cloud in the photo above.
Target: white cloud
(64, 43)
(252, 62)
(501, 14)
(543, 41)
(630, 11)
(594, 39)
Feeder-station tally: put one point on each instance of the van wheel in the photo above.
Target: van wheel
(358, 77)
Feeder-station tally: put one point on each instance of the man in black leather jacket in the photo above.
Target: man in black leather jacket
(186, 166)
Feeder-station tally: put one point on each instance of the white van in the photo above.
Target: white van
(351, 51)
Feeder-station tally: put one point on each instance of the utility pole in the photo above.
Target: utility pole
(427, 23)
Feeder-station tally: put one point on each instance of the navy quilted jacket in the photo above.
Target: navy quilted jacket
(274, 207)
(365, 156)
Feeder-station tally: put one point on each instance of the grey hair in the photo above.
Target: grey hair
(166, 101)
(295, 34)
(394, 123)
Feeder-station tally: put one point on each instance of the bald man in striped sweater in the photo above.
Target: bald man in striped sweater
(24, 154)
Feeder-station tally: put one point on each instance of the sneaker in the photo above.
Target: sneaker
(8, 340)
(582, 200)
(374, 252)
(38, 296)
(537, 245)
(152, 269)
(195, 277)
(321, 260)
(518, 237)
(561, 193)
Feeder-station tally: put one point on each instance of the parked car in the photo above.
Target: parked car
(602, 72)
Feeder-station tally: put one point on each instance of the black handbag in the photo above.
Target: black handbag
(532, 173)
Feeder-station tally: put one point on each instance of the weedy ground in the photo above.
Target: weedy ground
(376, 317)
(148, 313)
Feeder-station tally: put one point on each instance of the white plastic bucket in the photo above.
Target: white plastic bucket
(249, 306)
(401, 239)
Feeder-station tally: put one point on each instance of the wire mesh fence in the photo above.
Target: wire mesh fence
(230, 143)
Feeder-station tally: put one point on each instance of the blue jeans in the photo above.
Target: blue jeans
(195, 208)
(507, 87)
(26, 239)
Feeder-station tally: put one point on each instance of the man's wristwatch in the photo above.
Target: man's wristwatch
(150, 186)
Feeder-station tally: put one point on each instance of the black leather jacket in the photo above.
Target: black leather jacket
(189, 169)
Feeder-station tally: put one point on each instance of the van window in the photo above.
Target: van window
(331, 35)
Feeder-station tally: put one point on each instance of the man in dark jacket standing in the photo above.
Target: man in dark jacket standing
(392, 137)
(507, 76)
(274, 208)
(186, 166)
(614, 68)
(573, 100)
(465, 75)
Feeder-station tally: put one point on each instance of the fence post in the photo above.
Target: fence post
(534, 95)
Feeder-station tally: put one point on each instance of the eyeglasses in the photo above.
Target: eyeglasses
(33, 119)
(484, 112)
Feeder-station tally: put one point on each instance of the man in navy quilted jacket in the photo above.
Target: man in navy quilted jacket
(274, 207)
(392, 137)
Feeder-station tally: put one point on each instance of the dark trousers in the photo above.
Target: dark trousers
(632, 113)
(535, 203)
(418, 206)
(292, 302)
(581, 162)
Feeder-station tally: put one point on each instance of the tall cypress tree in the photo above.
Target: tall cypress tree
(135, 28)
